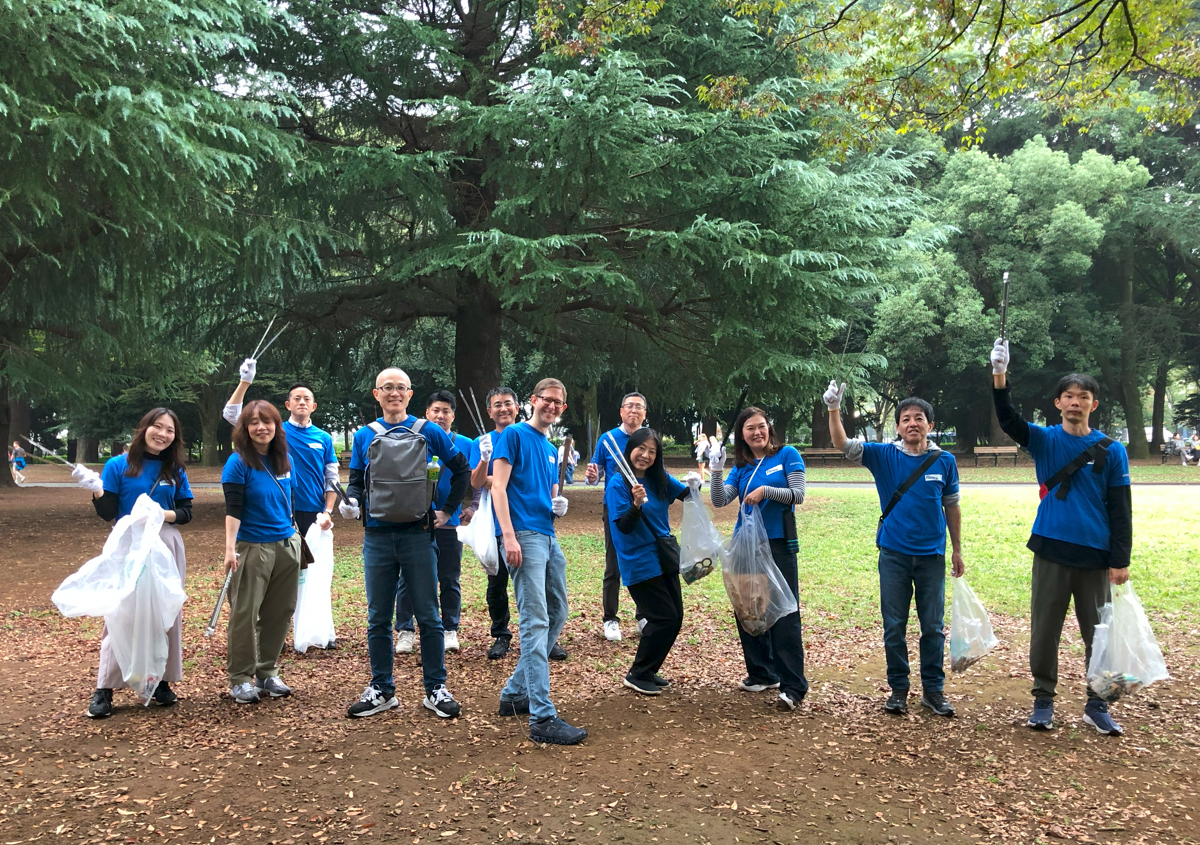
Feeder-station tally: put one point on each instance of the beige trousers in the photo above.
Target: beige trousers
(262, 599)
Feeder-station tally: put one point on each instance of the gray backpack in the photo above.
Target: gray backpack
(398, 489)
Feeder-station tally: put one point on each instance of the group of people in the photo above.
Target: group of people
(283, 478)
(1187, 449)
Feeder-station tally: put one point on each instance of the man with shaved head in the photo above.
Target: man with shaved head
(387, 463)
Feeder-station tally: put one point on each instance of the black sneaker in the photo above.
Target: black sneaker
(661, 681)
(644, 687)
(937, 702)
(101, 707)
(514, 707)
(897, 702)
(787, 702)
(554, 731)
(557, 652)
(164, 696)
(440, 701)
(499, 648)
(372, 701)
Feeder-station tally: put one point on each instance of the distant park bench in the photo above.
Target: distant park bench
(996, 453)
(811, 455)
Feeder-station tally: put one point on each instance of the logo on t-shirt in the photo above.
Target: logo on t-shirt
(933, 476)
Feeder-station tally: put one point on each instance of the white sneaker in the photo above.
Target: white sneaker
(642, 624)
(612, 631)
(451, 640)
(404, 642)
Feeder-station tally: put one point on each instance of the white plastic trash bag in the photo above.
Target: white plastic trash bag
(312, 623)
(700, 541)
(481, 537)
(134, 584)
(1125, 654)
(971, 635)
(756, 589)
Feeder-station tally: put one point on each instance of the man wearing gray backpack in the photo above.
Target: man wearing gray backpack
(388, 475)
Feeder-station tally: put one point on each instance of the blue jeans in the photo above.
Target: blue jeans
(899, 574)
(449, 571)
(387, 557)
(540, 586)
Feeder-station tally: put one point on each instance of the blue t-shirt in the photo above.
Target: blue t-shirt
(310, 449)
(1081, 518)
(771, 471)
(266, 506)
(637, 551)
(534, 462)
(161, 490)
(602, 458)
(475, 456)
(917, 525)
(442, 492)
(437, 443)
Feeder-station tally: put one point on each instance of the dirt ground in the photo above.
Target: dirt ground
(702, 763)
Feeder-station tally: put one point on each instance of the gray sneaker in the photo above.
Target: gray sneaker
(244, 694)
(274, 687)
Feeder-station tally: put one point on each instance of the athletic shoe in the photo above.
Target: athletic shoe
(372, 701)
(1095, 714)
(274, 687)
(244, 694)
(1043, 714)
(499, 648)
(897, 702)
(612, 631)
(937, 702)
(440, 701)
(753, 686)
(557, 652)
(554, 731)
(404, 642)
(644, 687)
(451, 640)
(661, 681)
(164, 696)
(513, 707)
(786, 702)
(101, 706)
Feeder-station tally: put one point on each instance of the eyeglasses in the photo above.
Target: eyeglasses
(553, 403)
(634, 406)
(496, 406)
(393, 388)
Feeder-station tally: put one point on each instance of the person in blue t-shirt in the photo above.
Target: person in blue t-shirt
(155, 466)
(395, 550)
(1083, 532)
(647, 552)
(912, 542)
(526, 499)
(771, 475)
(262, 550)
(439, 410)
(16, 462)
(633, 413)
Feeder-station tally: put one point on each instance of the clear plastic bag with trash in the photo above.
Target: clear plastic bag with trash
(312, 623)
(701, 543)
(134, 584)
(756, 589)
(971, 634)
(480, 535)
(1125, 654)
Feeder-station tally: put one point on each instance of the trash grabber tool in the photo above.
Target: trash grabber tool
(216, 614)
(478, 412)
(736, 410)
(254, 354)
(47, 452)
(1004, 310)
(470, 414)
(263, 351)
(567, 445)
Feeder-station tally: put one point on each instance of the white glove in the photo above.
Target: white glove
(559, 505)
(485, 447)
(349, 509)
(1000, 357)
(693, 480)
(716, 462)
(833, 395)
(88, 479)
(247, 370)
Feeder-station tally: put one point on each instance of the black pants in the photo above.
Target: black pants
(1054, 586)
(304, 520)
(610, 592)
(660, 602)
(778, 655)
(497, 597)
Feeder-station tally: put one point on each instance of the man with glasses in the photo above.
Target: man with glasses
(602, 466)
(392, 550)
(526, 499)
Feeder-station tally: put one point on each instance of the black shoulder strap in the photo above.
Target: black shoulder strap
(1096, 454)
(909, 482)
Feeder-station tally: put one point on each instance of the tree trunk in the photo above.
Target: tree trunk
(6, 432)
(477, 329)
(708, 425)
(996, 435)
(1158, 417)
(591, 419)
(87, 450)
(1131, 398)
(210, 401)
(783, 423)
(821, 438)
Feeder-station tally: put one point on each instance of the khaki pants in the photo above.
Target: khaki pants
(262, 599)
(1054, 586)
(109, 674)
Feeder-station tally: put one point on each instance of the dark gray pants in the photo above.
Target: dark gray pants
(1054, 586)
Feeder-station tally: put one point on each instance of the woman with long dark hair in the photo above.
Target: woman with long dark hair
(154, 466)
(771, 475)
(647, 553)
(262, 548)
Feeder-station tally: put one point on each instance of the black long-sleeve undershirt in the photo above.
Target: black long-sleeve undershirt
(106, 508)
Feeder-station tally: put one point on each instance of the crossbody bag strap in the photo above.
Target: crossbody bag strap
(1097, 454)
(903, 488)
